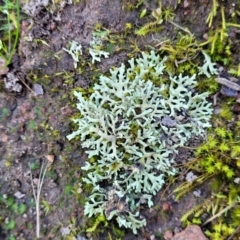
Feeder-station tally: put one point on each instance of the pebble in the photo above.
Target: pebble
(152, 237)
(19, 195)
(38, 90)
(168, 235)
(165, 207)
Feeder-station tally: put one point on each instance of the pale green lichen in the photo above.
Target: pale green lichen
(95, 49)
(131, 128)
(208, 68)
(75, 51)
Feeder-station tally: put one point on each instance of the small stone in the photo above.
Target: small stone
(205, 36)
(152, 237)
(89, 235)
(3, 137)
(165, 207)
(23, 137)
(37, 88)
(19, 195)
(190, 233)
(168, 235)
(237, 180)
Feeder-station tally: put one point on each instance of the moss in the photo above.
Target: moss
(216, 159)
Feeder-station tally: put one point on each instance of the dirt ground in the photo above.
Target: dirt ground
(33, 129)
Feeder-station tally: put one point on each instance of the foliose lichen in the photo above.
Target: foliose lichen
(130, 128)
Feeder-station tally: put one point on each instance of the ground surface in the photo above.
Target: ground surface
(33, 129)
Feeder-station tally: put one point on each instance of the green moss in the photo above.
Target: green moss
(216, 159)
(10, 29)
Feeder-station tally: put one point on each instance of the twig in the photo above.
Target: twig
(37, 193)
(220, 213)
(183, 29)
(27, 87)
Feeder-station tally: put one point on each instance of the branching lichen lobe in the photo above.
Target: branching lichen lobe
(132, 127)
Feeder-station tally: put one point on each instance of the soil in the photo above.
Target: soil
(33, 129)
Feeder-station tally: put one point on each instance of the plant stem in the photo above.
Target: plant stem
(13, 48)
(220, 213)
(36, 194)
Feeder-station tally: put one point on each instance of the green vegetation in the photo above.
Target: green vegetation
(217, 161)
(10, 207)
(184, 55)
(9, 30)
(160, 14)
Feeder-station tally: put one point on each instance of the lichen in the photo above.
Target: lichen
(130, 128)
(208, 68)
(11, 82)
(95, 49)
(75, 51)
